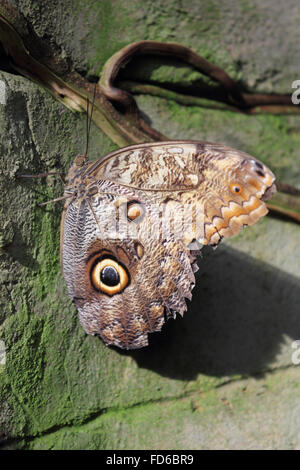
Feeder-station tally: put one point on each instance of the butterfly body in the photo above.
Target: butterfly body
(134, 221)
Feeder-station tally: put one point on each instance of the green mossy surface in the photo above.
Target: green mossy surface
(223, 418)
(188, 389)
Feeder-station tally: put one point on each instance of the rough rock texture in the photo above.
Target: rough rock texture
(221, 377)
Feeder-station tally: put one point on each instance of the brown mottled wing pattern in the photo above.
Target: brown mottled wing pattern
(135, 215)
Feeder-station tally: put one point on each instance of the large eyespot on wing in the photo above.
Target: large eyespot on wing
(148, 291)
(237, 199)
(108, 275)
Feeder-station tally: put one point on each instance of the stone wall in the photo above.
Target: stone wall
(221, 377)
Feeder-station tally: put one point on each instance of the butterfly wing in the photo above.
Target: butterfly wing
(128, 249)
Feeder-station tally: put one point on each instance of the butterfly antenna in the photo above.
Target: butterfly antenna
(55, 200)
(89, 120)
(87, 128)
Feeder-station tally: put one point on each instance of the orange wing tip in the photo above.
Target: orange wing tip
(235, 217)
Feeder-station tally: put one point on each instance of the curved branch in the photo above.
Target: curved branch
(22, 55)
(233, 95)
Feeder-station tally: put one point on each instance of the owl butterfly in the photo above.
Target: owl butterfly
(134, 221)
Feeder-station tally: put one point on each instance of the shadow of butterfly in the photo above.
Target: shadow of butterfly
(134, 222)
